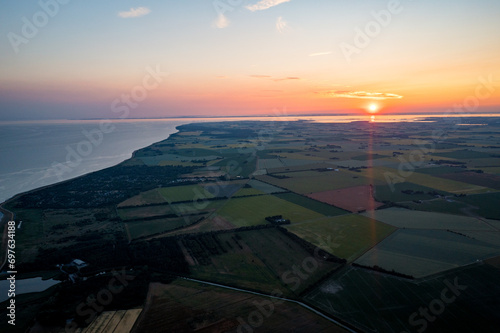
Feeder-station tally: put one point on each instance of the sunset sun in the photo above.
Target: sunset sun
(373, 108)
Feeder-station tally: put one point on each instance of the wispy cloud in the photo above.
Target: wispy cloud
(221, 21)
(287, 78)
(135, 12)
(258, 76)
(276, 79)
(320, 54)
(281, 25)
(265, 4)
(361, 95)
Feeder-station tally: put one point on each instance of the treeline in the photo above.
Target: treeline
(164, 255)
(382, 270)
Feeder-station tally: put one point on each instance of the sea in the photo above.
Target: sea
(39, 153)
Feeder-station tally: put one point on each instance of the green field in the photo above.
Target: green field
(304, 182)
(395, 194)
(184, 193)
(438, 170)
(346, 236)
(464, 154)
(146, 228)
(249, 211)
(384, 174)
(264, 187)
(312, 204)
(424, 252)
(178, 209)
(242, 165)
(487, 204)
(442, 205)
(404, 218)
(144, 198)
(247, 191)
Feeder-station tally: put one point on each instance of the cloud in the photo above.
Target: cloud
(135, 12)
(265, 4)
(281, 25)
(320, 54)
(362, 95)
(275, 79)
(288, 78)
(221, 21)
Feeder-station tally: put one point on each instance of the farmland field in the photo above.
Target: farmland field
(139, 229)
(346, 236)
(313, 181)
(442, 205)
(411, 192)
(259, 260)
(311, 204)
(264, 187)
(144, 198)
(384, 174)
(404, 218)
(247, 192)
(253, 210)
(184, 193)
(464, 154)
(424, 252)
(114, 321)
(487, 204)
(480, 179)
(174, 209)
(354, 199)
(383, 303)
(215, 309)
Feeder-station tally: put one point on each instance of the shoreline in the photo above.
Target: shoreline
(10, 216)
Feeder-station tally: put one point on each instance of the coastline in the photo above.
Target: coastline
(10, 216)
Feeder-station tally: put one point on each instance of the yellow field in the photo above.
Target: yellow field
(120, 321)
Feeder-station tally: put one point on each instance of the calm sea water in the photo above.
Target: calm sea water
(35, 154)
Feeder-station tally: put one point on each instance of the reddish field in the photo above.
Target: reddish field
(353, 199)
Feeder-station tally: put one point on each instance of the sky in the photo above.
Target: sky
(75, 59)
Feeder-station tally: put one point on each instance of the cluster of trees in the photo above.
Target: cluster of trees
(106, 187)
(277, 219)
(382, 270)
(202, 247)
